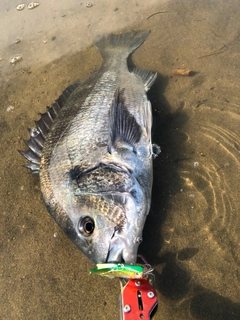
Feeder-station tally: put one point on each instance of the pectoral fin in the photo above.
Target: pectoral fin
(123, 125)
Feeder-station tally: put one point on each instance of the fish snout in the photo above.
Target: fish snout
(123, 250)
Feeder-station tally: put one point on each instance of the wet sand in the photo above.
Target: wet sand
(192, 234)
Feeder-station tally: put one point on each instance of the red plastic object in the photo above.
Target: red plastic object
(138, 299)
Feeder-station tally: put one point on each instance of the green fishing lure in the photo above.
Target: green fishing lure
(121, 270)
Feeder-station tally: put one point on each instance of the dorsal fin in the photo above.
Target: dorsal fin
(123, 125)
(39, 133)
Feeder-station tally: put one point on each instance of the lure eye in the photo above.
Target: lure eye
(86, 226)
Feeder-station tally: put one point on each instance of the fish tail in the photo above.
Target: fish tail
(124, 44)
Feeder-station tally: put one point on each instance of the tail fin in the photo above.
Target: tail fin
(120, 43)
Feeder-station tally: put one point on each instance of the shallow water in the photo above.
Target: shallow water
(192, 234)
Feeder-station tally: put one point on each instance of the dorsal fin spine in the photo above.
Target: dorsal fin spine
(39, 134)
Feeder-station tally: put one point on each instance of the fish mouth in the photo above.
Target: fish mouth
(122, 250)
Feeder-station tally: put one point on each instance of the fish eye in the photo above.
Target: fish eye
(86, 226)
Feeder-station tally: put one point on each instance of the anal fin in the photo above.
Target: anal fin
(148, 77)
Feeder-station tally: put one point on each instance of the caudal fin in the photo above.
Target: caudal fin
(123, 44)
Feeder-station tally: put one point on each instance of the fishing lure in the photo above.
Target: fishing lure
(121, 270)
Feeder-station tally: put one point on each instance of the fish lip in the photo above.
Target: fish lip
(121, 250)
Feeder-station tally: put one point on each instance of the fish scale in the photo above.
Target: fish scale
(96, 118)
(104, 180)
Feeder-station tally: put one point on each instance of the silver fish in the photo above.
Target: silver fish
(93, 152)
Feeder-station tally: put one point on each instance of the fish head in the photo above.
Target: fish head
(89, 228)
(106, 225)
(105, 229)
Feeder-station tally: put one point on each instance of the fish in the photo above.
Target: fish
(93, 152)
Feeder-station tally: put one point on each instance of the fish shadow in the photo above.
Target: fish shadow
(166, 182)
(174, 282)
